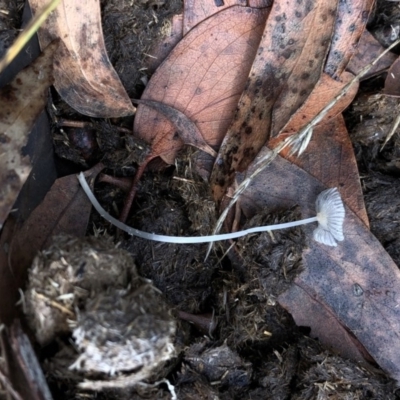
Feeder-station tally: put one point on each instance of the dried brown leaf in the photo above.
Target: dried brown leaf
(288, 64)
(324, 91)
(84, 76)
(330, 159)
(392, 83)
(351, 20)
(20, 104)
(203, 77)
(357, 282)
(186, 129)
(368, 49)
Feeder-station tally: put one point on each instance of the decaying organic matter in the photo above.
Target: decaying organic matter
(163, 323)
(121, 327)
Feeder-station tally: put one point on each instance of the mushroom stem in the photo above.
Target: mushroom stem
(328, 203)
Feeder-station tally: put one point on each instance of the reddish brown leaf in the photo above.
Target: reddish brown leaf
(195, 11)
(186, 130)
(84, 76)
(369, 49)
(350, 23)
(324, 91)
(324, 323)
(357, 282)
(288, 64)
(203, 77)
(20, 104)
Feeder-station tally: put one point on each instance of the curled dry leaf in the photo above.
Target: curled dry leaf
(288, 64)
(20, 104)
(84, 76)
(203, 77)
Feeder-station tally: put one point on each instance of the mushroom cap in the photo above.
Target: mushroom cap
(330, 217)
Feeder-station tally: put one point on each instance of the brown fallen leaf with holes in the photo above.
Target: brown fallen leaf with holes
(289, 63)
(20, 104)
(84, 76)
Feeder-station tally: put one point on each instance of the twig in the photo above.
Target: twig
(8, 386)
(298, 142)
(54, 304)
(28, 32)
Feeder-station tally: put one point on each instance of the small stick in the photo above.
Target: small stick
(8, 386)
(24, 37)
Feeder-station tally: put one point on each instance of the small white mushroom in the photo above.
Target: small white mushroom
(330, 217)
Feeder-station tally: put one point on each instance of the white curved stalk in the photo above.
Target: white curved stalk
(330, 216)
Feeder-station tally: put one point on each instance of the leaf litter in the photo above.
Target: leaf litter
(240, 292)
(21, 102)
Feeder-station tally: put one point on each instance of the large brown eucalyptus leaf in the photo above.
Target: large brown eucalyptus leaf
(289, 63)
(357, 281)
(203, 77)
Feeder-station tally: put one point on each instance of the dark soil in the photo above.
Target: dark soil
(233, 340)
